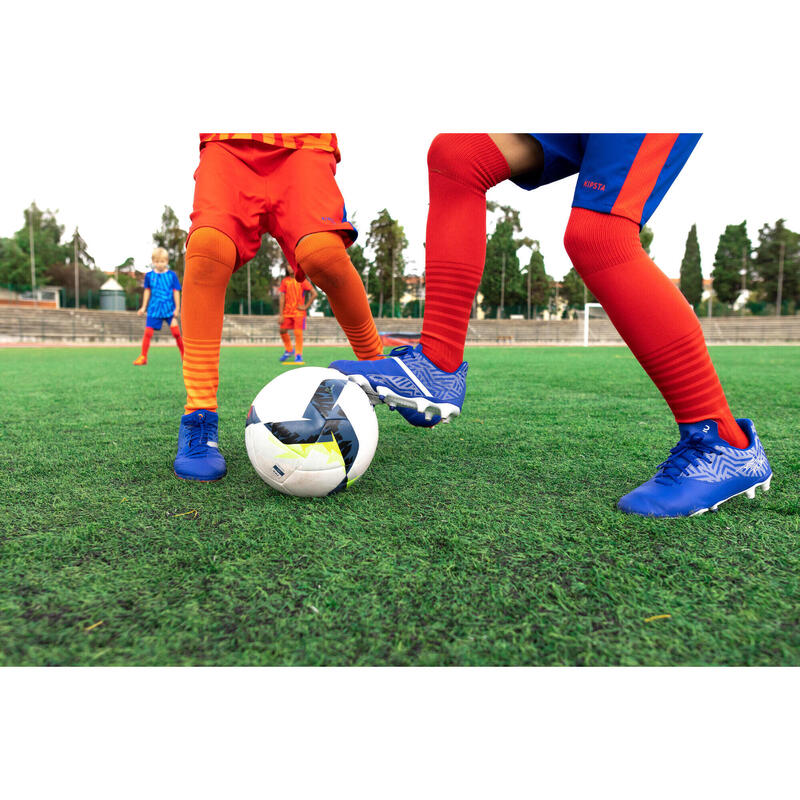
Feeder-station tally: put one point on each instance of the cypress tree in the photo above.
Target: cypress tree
(733, 252)
(691, 274)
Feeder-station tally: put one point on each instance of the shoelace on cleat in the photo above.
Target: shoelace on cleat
(198, 439)
(400, 351)
(687, 452)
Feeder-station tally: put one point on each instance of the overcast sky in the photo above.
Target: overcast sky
(107, 110)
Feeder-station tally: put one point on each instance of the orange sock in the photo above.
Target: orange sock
(287, 342)
(210, 259)
(298, 342)
(322, 256)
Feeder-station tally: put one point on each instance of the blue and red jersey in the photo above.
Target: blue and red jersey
(161, 285)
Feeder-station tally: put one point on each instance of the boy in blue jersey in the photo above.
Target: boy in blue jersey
(161, 301)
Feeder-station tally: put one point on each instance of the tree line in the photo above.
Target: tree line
(770, 270)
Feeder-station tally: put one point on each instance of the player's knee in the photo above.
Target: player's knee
(576, 239)
(210, 256)
(594, 240)
(323, 257)
(460, 156)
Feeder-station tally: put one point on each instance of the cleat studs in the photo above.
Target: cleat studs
(751, 493)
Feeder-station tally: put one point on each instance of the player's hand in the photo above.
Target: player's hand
(177, 314)
(140, 312)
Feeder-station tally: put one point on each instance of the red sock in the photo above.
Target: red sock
(461, 169)
(148, 335)
(652, 316)
(176, 332)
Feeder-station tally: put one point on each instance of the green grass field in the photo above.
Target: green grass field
(490, 541)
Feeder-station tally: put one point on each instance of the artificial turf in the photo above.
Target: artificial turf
(490, 541)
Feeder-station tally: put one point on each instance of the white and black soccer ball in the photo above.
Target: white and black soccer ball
(311, 432)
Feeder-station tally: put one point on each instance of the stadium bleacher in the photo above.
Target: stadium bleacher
(31, 325)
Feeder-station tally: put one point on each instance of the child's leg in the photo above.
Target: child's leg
(323, 257)
(176, 333)
(298, 339)
(285, 338)
(461, 169)
(148, 335)
(652, 317)
(210, 260)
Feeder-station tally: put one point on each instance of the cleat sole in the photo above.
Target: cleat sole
(198, 480)
(430, 408)
(749, 493)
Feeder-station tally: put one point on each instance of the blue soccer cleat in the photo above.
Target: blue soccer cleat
(424, 394)
(199, 458)
(702, 472)
(298, 359)
(287, 356)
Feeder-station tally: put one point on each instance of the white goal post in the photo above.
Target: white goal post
(586, 321)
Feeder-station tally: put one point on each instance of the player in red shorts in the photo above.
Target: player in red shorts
(247, 185)
(621, 180)
(295, 300)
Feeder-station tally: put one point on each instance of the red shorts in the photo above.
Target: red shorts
(246, 189)
(293, 322)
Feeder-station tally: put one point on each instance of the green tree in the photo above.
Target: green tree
(691, 273)
(733, 255)
(267, 268)
(541, 284)
(767, 263)
(502, 278)
(360, 261)
(15, 258)
(387, 241)
(172, 238)
(15, 264)
(89, 280)
(646, 238)
(574, 290)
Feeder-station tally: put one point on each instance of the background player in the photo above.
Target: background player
(621, 180)
(295, 300)
(162, 302)
(249, 184)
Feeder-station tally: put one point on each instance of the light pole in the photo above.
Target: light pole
(502, 289)
(33, 257)
(529, 291)
(75, 259)
(779, 297)
(249, 302)
(743, 273)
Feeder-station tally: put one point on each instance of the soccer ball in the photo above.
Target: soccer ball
(311, 432)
